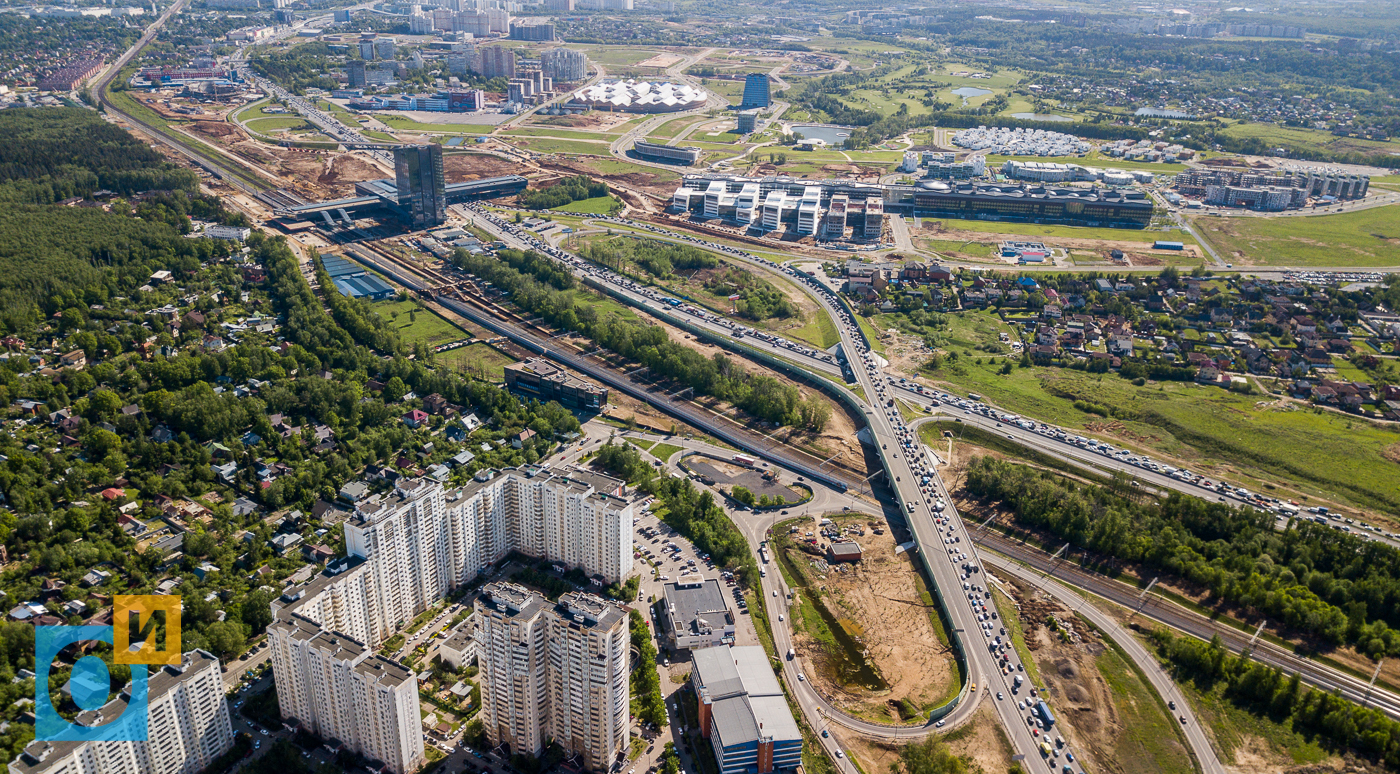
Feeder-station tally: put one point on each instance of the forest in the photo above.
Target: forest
(721, 377)
(570, 189)
(1331, 587)
(298, 68)
(659, 259)
(1337, 724)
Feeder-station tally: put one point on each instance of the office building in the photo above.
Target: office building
(188, 728)
(755, 91)
(695, 614)
(496, 62)
(542, 380)
(421, 187)
(564, 65)
(743, 712)
(531, 29)
(342, 16)
(355, 70)
(809, 210)
(553, 671)
(670, 154)
(746, 122)
(334, 686)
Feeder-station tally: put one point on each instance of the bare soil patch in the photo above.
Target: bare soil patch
(460, 167)
(980, 742)
(877, 601)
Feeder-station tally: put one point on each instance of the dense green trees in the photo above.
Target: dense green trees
(658, 258)
(298, 67)
(570, 189)
(758, 299)
(647, 703)
(1334, 722)
(1330, 586)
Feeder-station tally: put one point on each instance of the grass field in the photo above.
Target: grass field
(408, 124)
(481, 360)
(1011, 619)
(385, 136)
(416, 324)
(674, 127)
(598, 205)
(269, 125)
(820, 333)
(1149, 743)
(1363, 238)
(540, 145)
(549, 131)
(663, 451)
(1308, 139)
(1040, 231)
(1218, 433)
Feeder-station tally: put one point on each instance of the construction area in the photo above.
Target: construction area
(868, 628)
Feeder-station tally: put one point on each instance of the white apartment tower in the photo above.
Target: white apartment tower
(554, 671)
(334, 687)
(188, 728)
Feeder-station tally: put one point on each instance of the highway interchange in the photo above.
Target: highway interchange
(946, 548)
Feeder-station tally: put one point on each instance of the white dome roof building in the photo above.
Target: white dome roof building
(642, 96)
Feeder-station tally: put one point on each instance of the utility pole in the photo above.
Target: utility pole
(1371, 685)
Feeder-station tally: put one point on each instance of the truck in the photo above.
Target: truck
(791, 654)
(1043, 710)
(763, 554)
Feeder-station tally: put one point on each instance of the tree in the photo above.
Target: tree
(226, 638)
(743, 495)
(257, 611)
(930, 757)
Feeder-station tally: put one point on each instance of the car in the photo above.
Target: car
(780, 616)
(999, 696)
(1171, 705)
(801, 677)
(262, 731)
(1035, 732)
(1182, 718)
(840, 754)
(825, 733)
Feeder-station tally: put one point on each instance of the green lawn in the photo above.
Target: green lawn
(1320, 453)
(408, 124)
(1011, 619)
(480, 360)
(598, 205)
(549, 131)
(663, 451)
(819, 332)
(269, 125)
(1308, 139)
(540, 145)
(1231, 727)
(1150, 742)
(417, 324)
(385, 136)
(1364, 238)
(1039, 231)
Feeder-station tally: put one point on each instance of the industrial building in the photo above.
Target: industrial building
(755, 91)
(743, 711)
(641, 97)
(354, 280)
(542, 380)
(695, 614)
(669, 154)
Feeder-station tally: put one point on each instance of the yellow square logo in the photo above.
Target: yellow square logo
(134, 619)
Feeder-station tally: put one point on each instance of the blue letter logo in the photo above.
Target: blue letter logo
(89, 686)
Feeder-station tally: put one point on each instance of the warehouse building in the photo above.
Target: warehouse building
(743, 712)
(695, 615)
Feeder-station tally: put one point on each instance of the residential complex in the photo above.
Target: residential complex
(335, 687)
(542, 380)
(553, 671)
(743, 712)
(564, 65)
(187, 722)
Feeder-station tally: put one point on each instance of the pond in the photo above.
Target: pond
(970, 91)
(1160, 113)
(834, 136)
(1040, 117)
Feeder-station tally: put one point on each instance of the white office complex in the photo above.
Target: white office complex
(553, 671)
(333, 686)
(564, 65)
(187, 723)
(809, 210)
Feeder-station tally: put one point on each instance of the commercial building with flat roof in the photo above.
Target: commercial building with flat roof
(542, 380)
(743, 711)
(695, 614)
(670, 154)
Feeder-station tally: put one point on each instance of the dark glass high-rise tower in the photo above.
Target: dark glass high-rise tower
(422, 188)
(755, 91)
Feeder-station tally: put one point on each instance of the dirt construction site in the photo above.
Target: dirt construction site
(876, 601)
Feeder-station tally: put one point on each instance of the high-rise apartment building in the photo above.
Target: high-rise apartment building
(188, 727)
(496, 62)
(755, 91)
(553, 671)
(385, 48)
(355, 69)
(564, 65)
(421, 186)
(335, 687)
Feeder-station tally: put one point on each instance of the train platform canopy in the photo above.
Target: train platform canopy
(363, 286)
(340, 267)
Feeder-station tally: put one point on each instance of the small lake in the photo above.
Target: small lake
(1160, 113)
(970, 91)
(1040, 117)
(834, 136)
